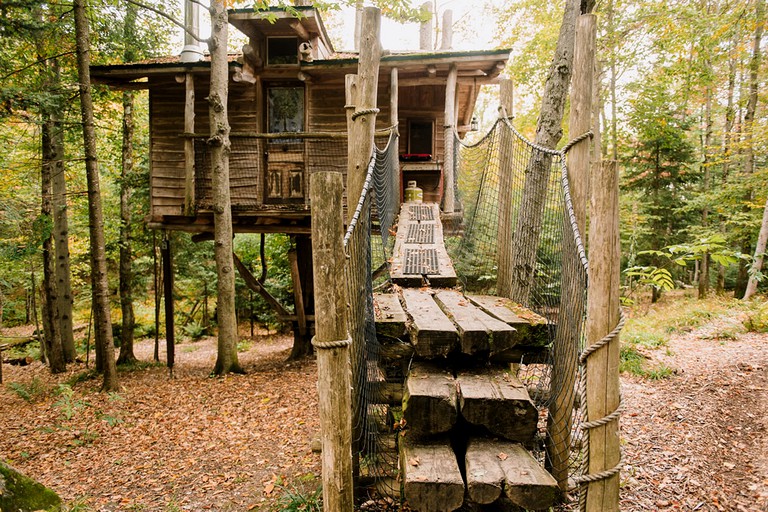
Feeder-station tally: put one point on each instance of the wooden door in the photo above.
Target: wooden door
(285, 175)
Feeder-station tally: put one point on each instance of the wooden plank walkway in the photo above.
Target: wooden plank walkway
(475, 406)
(419, 256)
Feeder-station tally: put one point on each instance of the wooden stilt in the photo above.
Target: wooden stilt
(170, 339)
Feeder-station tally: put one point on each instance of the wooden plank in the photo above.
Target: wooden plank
(389, 314)
(432, 333)
(429, 401)
(526, 483)
(478, 331)
(445, 275)
(498, 401)
(485, 478)
(531, 328)
(431, 478)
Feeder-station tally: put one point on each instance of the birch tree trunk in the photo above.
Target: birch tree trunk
(102, 320)
(757, 262)
(226, 360)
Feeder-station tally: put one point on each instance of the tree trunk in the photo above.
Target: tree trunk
(749, 118)
(61, 231)
(99, 285)
(51, 316)
(730, 114)
(226, 360)
(705, 163)
(549, 130)
(126, 274)
(126, 171)
(757, 262)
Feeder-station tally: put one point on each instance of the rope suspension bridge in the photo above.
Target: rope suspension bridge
(468, 347)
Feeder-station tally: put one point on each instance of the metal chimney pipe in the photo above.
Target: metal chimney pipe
(192, 51)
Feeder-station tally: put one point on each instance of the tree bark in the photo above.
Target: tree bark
(126, 273)
(226, 360)
(549, 130)
(730, 114)
(749, 118)
(705, 163)
(61, 232)
(126, 171)
(99, 285)
(51, 317)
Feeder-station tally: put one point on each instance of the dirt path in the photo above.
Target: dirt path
(698, 440)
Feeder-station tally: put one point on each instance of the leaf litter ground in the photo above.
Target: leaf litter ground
(695, 441)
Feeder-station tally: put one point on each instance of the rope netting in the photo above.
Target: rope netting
(520, 240)
(377, 459)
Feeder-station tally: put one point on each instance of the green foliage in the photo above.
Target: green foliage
(195, 330)
(756, 313)
(294, 499)
(67, 404)
(30, 392)
(632, 361)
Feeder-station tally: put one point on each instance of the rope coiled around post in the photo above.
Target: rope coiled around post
(331, 344)
(364, 112)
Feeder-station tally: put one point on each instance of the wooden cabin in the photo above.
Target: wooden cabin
(288, 119)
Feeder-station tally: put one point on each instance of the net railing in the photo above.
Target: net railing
(519, 240)
(374, 212)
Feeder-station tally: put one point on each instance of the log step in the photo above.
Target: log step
(432, 332)
(478, 331)
(494, 467)
(498, 401)
(389, 314)
(432, 481)
(429, 401)
(531, 329)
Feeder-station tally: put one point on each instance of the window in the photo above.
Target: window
(282, 51)
(285, 109)
(420, 137)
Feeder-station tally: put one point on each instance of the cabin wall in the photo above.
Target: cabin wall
(325, 101)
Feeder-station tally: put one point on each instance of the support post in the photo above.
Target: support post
(566, 343)
(394, 119)
(331, 341)
(506, 226)
(363, 125)
(602, 372)
(449, 123)
(189, 146)
(298, 293)
(170, 338)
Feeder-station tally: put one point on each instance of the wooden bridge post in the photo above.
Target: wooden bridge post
(506, 225)
(449, 122)
(569, 319)
(332, 341)
(603, 395)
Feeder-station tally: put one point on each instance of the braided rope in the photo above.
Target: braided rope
(364, 112)
(605, 419)
(331, 344)
(360, 203)
(602, 475)
(573, 142)
(605, 340)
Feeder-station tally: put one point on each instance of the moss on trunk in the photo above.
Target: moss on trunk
(19, 493)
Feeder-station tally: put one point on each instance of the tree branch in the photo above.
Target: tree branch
(170, 18)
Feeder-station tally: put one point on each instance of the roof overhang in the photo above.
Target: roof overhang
(303, 21)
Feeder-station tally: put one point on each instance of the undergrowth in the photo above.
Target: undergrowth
(31, 391)
(305, 496)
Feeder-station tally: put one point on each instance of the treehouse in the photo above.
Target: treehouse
(288, 119)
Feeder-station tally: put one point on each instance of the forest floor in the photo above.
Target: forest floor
(696, 440)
